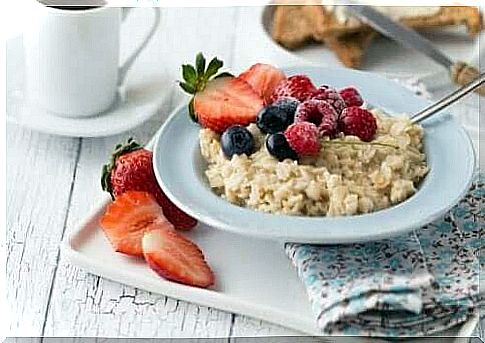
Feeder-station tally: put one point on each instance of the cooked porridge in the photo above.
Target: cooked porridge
(343, 179)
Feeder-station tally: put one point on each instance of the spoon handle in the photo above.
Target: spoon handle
(448, 100)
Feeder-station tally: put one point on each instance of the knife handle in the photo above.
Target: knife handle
(462, 73)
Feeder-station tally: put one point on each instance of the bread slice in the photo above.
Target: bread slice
(350, 48)
(325, 23)
(292, 29)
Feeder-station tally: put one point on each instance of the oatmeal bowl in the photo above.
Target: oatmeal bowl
(327, 168)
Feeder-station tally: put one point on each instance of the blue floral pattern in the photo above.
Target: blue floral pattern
(414, 285)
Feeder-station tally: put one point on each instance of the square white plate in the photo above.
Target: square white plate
(254, 276)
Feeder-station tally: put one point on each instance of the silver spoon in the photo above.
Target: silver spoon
(448, 100)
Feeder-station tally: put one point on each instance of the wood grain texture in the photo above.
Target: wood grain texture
(40, 172)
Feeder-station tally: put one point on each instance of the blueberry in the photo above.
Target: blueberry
(279, 148)
(289, 106)
(271, 120)
(237, 140)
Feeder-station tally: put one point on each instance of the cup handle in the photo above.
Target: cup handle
(123, 70)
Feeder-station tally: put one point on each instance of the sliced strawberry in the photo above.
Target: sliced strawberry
(131, 169)
(226, 101)
(128, 217)
(263, 78)
(174, 257)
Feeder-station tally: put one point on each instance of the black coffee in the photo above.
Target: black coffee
(73, 5)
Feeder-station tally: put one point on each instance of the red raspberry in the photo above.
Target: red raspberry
(356, 121)
(303, 138)
(299, 87)
(351, 96)
(331, 96)
(320, 113)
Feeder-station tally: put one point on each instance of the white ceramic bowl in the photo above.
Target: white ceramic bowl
(179, 168)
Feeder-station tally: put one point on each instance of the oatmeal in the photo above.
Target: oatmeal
(343, 179)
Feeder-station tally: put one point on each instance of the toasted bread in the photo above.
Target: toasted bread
(325, 23)
(291, 29)
(350, 48)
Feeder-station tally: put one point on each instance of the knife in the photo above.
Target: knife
(460, 72)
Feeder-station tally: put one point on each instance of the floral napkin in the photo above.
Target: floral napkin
(414, 285)
(421, 283)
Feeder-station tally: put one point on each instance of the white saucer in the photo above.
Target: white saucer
(141, 100)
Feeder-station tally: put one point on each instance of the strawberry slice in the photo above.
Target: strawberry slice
(263, 78)
(128, 217)
(175, 258)
(227, 101)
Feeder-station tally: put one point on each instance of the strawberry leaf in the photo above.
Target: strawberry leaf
(200, 64)
(189, 74)
(214, 66)
(224, 74)
(189, 88)
(192, 113)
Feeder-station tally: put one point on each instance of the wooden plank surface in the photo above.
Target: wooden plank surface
(40, 172)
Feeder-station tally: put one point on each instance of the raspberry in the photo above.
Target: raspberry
(320, 113)
(331, 96)
(351, 96)
(299, 87)
(356, 121)
(303, 138)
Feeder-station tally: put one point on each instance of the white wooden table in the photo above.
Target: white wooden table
(53, 182)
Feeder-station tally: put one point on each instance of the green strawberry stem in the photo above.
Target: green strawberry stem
(336, 142)
(120, 149)
(195, 78)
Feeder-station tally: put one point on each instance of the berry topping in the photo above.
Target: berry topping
(299, 87)
(351, 96)
(263, 78)
(273, 119)
(279, 148)
(288, 105)
(303, 138)
(331, 96)
(358, 122)
(237, 140)
(128, 217)
(174, 257)
(131, 169)
(320, 113)
(221, 100)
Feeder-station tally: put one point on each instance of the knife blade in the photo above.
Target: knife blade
(460, 72)
(400, 33)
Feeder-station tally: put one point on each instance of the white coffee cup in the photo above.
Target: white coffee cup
(72, 58)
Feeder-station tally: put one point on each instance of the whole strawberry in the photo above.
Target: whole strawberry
(356, 121)
(130, 169)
